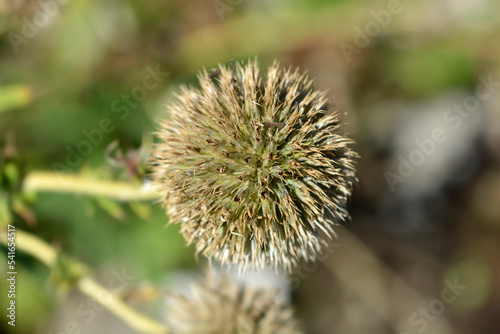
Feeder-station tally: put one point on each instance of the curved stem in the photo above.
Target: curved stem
(48, 255)
(76, 184)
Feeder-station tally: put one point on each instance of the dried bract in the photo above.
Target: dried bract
(253, 166)
(219, 305)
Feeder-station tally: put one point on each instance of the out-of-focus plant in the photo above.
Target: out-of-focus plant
(220, 305)
(15, 96)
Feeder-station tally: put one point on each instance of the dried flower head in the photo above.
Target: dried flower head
(253, 166)
(219, 305)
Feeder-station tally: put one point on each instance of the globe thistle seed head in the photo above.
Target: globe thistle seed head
(219, 305)
(253, 167)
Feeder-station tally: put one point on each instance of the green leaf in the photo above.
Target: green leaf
(15, 96)
(111, 207)
(66, 272)
(5, 215)
(142, 210)
(11, 172)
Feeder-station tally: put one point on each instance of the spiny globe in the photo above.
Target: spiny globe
(253, 166)
(219, 305)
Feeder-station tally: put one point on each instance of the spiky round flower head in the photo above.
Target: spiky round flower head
(253, 166)
(219, 305)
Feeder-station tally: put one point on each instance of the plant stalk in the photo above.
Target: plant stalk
(47, 254)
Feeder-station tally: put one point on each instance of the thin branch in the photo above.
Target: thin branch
(76, 184)
(48, 255)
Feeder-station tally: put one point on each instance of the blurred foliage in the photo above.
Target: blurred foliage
(14, 96)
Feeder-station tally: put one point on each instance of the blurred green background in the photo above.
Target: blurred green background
(396, 67)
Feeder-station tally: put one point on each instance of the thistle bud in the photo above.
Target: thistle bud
(253, 167)
(220, 305)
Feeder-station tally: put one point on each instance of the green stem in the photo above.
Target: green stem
(48, 255)
(76, 184)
